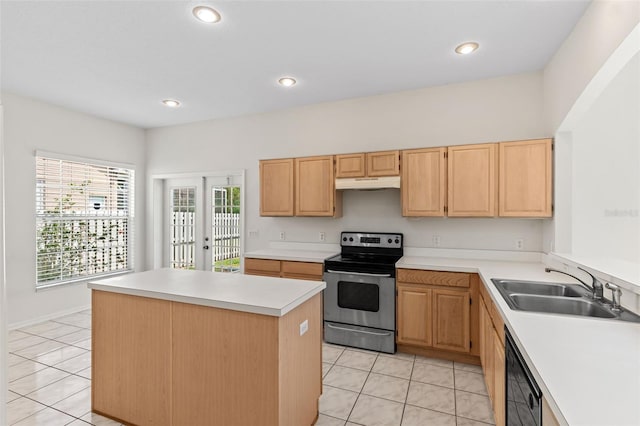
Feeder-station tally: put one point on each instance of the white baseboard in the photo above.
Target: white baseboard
(43, 318)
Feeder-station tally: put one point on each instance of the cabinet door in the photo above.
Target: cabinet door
(276, 187)
(423, 182)
(472, 180)
(499, 404)
(414, 315)
(489, 372)
(315, 186)
(525, 178)
(350, 165)
(386, 163)
(451, 320)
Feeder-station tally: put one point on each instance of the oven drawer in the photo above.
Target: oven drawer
(360, 337)
(438, 278)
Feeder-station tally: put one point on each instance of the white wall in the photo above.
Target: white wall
(31, 125)
(506, 108)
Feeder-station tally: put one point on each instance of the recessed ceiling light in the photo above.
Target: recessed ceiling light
(466, 48)
(206, 14)
(171, 103)
(287, 81)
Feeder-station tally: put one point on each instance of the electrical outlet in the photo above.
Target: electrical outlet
(282, 236)
(436, 240)
(519, 243)
(253, 233)
(304, 327)
(321, 236)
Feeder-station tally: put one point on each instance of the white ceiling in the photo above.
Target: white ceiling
(119, 59)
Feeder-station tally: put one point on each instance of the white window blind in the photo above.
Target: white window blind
(84, 220)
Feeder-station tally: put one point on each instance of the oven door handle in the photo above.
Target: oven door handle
(358, 331)
(359, 273)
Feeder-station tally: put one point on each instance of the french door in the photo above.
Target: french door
(203, 223)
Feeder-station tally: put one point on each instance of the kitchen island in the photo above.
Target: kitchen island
(174, 347)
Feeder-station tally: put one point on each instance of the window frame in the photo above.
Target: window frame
(129, 223)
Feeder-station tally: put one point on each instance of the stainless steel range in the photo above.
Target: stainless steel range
(360, 298)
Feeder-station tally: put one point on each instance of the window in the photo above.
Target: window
(84, 220)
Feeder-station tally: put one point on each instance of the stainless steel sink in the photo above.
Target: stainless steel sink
(560, 305)
(540, 288)
(557, 298)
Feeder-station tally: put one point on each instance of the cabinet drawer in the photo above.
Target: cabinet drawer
(447, 279)
(302, 269)
(262, 265)
(498, 323)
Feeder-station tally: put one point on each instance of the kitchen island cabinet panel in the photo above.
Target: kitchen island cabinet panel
(129, 356)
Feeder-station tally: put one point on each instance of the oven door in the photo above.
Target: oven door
(360, 299)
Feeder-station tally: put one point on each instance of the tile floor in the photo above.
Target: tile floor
(50, 378)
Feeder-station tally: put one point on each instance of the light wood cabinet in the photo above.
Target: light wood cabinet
(486, 349)
(384, 163)
(451, 320)
(423, 182)
(472, 180)
(434, 313)
(525, 178)
(284, 269)
(414, 313)
(315, 193)
(499, 389)
(276, 187)
(351, 165)
(548, 418)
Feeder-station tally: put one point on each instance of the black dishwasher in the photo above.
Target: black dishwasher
(523, 396)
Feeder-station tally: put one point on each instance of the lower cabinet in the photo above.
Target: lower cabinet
(434, 312)
(492, 356)
(284, 269)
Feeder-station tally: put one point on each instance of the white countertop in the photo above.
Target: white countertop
(238, 292)
(587, 368)
(293, 255)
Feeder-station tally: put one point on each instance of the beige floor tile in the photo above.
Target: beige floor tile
(325, 368)
(470, 382)
(11, 396)
(473, 406)
(76, 364)
(62, 330)
(86, 373)
(77, 404)
(20, 344)
(393, 367)
(432, 397)
(336, 402)
(468, 422)
(328, 421)
(86, 312)
(39, 349)
(76, 336)
(415, 416)
(400, 355)
(22, 408)
(434, 361)
(60, 355)
(59, 390)
(14, 359)
(371, 411)
(41, 327)
(84, 344)
(14, 335)
(40, 379)
(467, 367)
(78, 422)
(346, 378)
(432, 374)
(359, 360)
(331, 353)
(98, 420)
(77, 319)
(386, 387)
(23, 368)
(48, 417)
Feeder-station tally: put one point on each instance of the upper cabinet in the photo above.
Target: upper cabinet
(371, 164)
(276, 187)
(423, 182)
(525, 178)
(472, 180)
(315, 193)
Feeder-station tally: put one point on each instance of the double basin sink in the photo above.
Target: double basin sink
(556, 298)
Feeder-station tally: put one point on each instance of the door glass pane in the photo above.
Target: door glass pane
(225, 228)
(182, 228)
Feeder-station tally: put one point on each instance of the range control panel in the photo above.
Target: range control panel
(360, 239)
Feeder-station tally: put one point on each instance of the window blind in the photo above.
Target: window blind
(84, 220)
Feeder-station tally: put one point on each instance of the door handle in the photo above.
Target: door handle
(357, 331)
(206, 247)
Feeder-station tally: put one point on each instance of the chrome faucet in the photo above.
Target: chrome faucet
(616, 294)
(596, 288)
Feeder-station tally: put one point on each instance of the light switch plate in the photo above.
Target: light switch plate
(304, 327)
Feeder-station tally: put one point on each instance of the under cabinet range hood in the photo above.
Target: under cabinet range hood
(368, 182)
